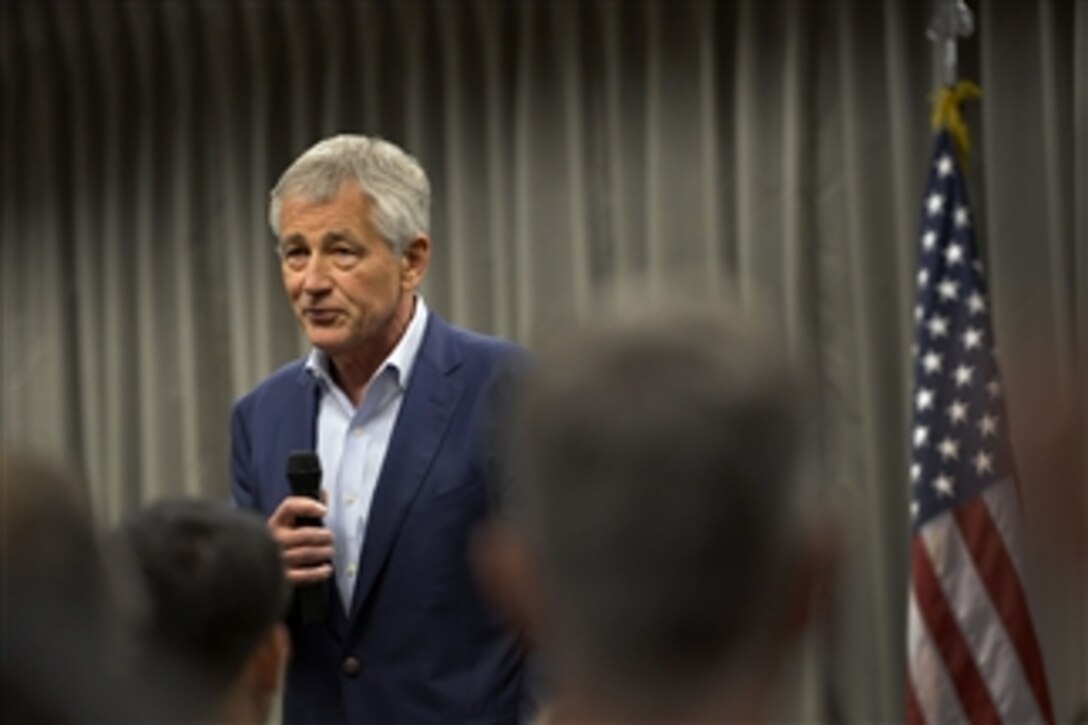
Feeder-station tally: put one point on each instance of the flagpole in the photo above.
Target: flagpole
(952, 20)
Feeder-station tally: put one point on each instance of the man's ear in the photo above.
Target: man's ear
(414, 260)
(506, 573)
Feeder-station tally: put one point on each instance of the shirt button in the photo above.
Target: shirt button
(351, 570)
(351, 667)
(357, 432)
(349, 499)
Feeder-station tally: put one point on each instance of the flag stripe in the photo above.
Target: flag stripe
(914, 712)
(930, 684)
(991, 649)
(987, 549)
(1004, 504)
(949, 640)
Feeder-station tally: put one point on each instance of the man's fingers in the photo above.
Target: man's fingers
(293, 508)
(307, 556)
(306, 536)
(306, 550)
(309, 575)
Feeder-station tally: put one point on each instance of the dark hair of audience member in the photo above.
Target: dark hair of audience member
(216, 587)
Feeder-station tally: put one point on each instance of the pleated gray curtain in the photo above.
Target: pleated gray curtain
(774, 148)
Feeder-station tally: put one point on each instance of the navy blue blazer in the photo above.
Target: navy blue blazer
(419, 644)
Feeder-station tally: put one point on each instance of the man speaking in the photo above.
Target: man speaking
(400, 409)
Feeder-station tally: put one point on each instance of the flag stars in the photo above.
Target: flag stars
(924, 399)
(987, 425)
(919, 313)
(942, 484)
(938, 326)
(953, 255)
(915, 472)
(957, 412)
(923, 277)
(944, 166)
(972, 338)
(921, 436)
(935, 204)
(948, 289)
(976, 304)
(963, 375)
(914, 509)
(931, 363)
(949, 448)
(983, 462)
(929, 240)
(994, 388)
(961, 217)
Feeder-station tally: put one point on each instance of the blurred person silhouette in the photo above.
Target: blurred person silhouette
(666, 553)
(71, 606)
(217, 596)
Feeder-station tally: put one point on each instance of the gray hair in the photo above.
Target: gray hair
(394, 181)
(660, 456)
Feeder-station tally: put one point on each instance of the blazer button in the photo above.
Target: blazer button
(351, 667)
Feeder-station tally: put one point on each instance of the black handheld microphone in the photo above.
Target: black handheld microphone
(304, 475)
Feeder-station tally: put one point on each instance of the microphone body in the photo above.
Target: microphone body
(304, 475)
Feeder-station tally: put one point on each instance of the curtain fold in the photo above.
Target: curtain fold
(776, 149)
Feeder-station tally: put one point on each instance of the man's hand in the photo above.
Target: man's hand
(307, 551)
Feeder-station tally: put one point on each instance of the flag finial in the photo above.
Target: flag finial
(951, 21)
(947, 115)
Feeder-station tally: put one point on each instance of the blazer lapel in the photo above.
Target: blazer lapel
(295, 429)
(301, 429)
(425, 413)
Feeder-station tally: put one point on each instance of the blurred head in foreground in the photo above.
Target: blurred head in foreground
(70, 607)
(667, 551)
(217, 598)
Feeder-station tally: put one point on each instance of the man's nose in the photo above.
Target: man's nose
(315, 278)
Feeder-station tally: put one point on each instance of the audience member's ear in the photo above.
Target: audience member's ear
(272, 657)
(263, 673)
(261, 679)
(504, 567)
(812, 581)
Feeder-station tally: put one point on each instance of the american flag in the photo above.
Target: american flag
(972, 651)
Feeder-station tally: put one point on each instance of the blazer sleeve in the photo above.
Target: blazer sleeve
(242, 486)
(504, 394)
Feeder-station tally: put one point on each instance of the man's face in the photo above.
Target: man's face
(348, 288)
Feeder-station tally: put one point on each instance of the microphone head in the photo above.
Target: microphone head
(303, 463)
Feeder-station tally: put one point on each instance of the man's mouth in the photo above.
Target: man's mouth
(320, 316)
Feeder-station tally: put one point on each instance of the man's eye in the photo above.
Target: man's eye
(345, 257)
(295, 257)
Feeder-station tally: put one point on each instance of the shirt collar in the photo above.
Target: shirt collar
(400, 361)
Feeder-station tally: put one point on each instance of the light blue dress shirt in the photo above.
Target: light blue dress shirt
(352, 442)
